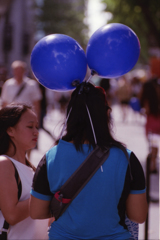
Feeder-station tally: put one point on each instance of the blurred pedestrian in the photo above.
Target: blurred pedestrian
(105, 84)
(21, 89)
(43, 111)
(150, 101)
(61, 100)
(18, 133)
(136, 86)
(123, 94)
(3, 76)
(134, 102)
(116, 189)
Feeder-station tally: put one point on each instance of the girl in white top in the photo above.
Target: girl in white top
(18, 133)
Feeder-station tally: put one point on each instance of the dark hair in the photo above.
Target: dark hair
(105, 83)
(149, 95)
(9, 117)
(78, 125)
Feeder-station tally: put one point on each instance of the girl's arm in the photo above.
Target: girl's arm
(136, 203)
(12, 210)
(39, 209)
(40, 193)
(137, 207)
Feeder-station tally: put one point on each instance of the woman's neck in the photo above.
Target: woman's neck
(20, 156)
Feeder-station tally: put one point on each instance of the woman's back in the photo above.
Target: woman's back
(96, 212)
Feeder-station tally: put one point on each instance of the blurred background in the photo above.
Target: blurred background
(24, 22)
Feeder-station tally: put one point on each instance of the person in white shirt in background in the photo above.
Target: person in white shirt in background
(30, 92)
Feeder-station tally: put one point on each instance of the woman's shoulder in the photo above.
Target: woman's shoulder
(6, 166)
(4, 159)
(121, 156)
(121, 150)
(51, 150)
(61, 146)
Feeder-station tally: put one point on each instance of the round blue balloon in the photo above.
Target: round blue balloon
(113, 50)
(58, 61)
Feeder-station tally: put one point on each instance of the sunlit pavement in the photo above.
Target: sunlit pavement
(132, 133)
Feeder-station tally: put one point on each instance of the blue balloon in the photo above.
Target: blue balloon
(58, 61)
(113, 50)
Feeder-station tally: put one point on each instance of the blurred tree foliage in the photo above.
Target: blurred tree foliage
(143, 16)
(64, 17)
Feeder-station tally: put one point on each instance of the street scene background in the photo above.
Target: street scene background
(132, 133)
(24, 22)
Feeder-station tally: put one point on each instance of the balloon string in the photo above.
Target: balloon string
(65, 123)
(94, 135)
(89, 78)
(92, 73)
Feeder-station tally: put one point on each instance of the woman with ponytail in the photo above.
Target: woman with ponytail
(116, 189)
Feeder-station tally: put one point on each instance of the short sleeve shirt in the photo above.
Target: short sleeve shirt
(101, 202)
(29, 94)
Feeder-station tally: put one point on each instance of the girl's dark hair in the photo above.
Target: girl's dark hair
(149, 95)
(78, 125)
(9, 117)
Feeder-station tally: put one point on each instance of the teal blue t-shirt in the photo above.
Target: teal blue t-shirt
(98, 212)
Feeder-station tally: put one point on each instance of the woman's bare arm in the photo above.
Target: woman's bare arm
(137, 207)
(13, 210)
(39, 209)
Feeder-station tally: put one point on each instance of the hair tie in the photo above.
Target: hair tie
(76, 83)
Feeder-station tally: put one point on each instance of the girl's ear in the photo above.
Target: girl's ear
(10, 131)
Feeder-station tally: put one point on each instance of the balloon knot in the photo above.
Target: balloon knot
(93, 72)
(75, 83)
(84, 88)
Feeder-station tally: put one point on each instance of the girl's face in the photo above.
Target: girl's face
(25, 133)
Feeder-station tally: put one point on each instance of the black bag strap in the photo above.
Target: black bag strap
(3, 235)
(18, 182)
(19, 91)
(84, 173)
(78, 180)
